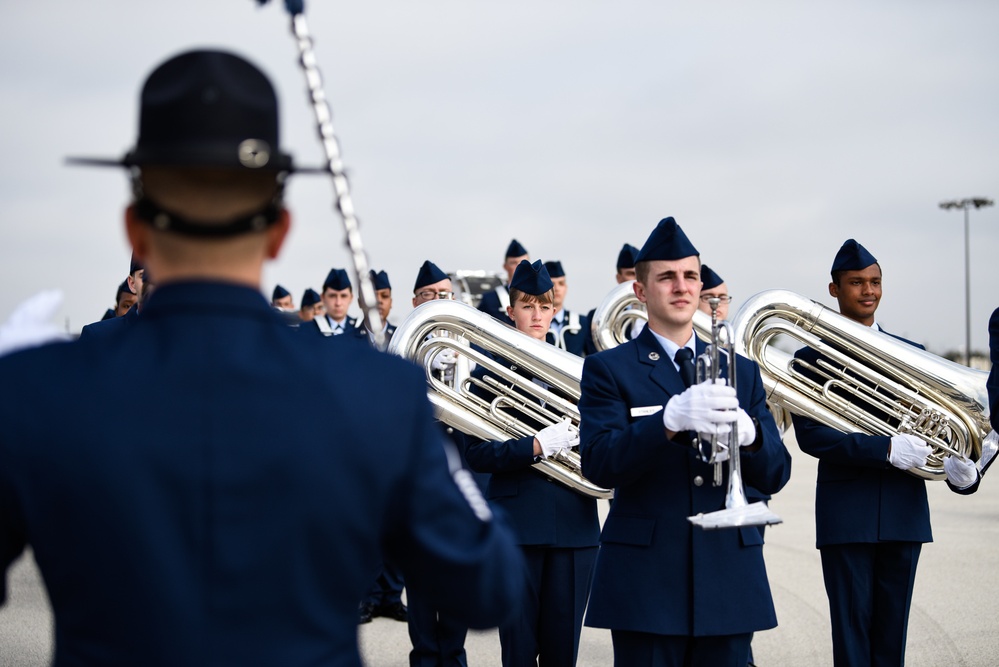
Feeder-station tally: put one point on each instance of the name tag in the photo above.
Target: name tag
(646, 411)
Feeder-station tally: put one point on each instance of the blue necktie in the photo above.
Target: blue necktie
(685, 360)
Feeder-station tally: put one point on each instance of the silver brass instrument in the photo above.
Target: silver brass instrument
(621, 310)
(738, 510)
(937, 400)
(436, 326)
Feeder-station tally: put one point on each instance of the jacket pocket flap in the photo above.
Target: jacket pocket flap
(628, 530)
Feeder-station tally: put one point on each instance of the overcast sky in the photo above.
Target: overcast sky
(772, 131)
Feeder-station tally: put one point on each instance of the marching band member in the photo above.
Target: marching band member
(125, 298)
(282, 299)
(312, 305)
(222, 535)
(497, 301)
(568, 328)
(383, 296)
(337, 295)
(385, 597)
(672, 593)
(625, 271)
(141, 282)
(557, 528)
(712, 285)
(871, 517)
(438, 639)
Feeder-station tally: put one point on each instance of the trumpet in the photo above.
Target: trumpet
(738, 510)
(517, 404)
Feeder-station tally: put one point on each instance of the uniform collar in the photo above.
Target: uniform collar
(213, 297)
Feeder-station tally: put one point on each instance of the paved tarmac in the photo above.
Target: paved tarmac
(953, 622)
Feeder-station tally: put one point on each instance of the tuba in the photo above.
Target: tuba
(621, 310)
(909, 390)
(436, 326)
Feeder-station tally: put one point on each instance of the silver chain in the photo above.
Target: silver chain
(341, 187)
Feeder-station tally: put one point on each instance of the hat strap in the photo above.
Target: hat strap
(159, 218)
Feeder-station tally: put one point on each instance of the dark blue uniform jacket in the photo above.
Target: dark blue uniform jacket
(655, 571)
(218, 531)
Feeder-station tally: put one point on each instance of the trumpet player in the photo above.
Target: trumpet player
(556, 528)
(673, 594)
(871, 517)
(568, 328)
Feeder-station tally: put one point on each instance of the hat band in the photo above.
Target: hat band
(167, 221)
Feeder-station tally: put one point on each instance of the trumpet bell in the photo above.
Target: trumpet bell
(752, 514)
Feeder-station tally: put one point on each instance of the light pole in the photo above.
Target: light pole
(967, 204)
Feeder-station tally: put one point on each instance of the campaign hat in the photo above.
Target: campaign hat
(206, 108)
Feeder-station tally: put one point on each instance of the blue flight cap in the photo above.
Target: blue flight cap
(429, 275)
(515, 249)
(310, 298)
(667, 241)
(709, 278)
(626, 258)
(555, 269)
(134, 265)
(379, 280)
(337, 279)
(531, 279)
(123, 288)
(852, 257)
(279, 293)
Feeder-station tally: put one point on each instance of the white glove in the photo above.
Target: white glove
(557, 437)
(962, 473)
(705, 408)
(444, 362)
(30, 323)
(908, 451)
(747, 429)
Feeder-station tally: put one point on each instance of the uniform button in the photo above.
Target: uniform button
(450, 430)
(698, 480)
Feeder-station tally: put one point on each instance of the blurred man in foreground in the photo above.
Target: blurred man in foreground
(214, 533)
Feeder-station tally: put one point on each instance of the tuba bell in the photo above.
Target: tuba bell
(910, 390)
(436, 326)
(621, 310)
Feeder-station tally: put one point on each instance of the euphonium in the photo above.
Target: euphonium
(436, 326)
(621, 310)
(910, 390)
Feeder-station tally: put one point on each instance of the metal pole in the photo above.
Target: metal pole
(967, 290)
